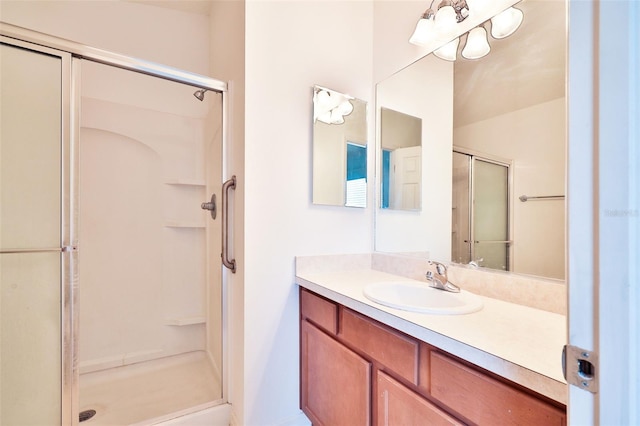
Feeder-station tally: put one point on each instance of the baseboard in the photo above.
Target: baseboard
(300, 419)
(213, 416)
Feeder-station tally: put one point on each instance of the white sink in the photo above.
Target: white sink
(419, 297)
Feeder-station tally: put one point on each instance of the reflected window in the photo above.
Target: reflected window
(356, 186)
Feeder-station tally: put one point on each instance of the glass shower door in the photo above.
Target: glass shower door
(491, 214)
(33, 245)
(480, 213)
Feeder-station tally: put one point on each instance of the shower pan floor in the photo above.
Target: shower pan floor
(150, 391)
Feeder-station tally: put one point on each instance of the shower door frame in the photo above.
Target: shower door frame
(70, 140)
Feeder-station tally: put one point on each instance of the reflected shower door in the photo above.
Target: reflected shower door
(32, 234)
(461, 209)
(491, 214)
(150, 281)
(480, 213)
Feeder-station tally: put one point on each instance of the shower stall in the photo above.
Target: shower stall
(112, 303)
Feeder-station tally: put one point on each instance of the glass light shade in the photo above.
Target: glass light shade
(449, 51)
(345, 107)
(335, 117)
(423, 32)
(446, 21)
(477, 44)
(506, 22)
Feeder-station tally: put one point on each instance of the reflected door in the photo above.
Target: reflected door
(406, 174)
(480, 213)
(31, 235)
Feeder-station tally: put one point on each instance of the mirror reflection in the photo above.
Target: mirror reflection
(503, 144)
(401, 141)
(339, 149)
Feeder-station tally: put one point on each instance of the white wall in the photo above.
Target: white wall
(290, 46)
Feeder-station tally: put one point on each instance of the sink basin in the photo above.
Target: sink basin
(419, 297)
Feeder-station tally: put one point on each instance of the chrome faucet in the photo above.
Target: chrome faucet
(440, 280)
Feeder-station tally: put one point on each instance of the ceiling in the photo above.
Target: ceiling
(522, 70)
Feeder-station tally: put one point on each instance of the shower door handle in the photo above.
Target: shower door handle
(226, 187)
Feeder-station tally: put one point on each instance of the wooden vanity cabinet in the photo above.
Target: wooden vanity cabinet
(358, 371)
(335, 381)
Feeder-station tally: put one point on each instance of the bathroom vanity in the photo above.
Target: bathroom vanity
(364, 363)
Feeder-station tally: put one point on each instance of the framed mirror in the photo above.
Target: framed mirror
(503, 117)
(339, 149)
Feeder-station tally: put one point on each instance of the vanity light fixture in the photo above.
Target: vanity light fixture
(329, 106)
(441, 26)
(440, 23)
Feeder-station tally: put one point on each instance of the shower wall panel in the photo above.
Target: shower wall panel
(142, 232)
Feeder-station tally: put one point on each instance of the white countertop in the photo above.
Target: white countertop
(517, 342)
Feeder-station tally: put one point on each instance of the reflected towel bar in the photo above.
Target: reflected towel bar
(524, 198)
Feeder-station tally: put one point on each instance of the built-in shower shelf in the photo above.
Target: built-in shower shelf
(186, 182)
(185, 321)
(184, 224)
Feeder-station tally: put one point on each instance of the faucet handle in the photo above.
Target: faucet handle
(440, 267)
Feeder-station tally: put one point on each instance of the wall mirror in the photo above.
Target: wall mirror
(493, 138)
(339, 149)
(401, 156)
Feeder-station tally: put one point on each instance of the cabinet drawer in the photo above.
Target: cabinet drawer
(319, 311)
(398, 405)
(397, 352)
(485, 400)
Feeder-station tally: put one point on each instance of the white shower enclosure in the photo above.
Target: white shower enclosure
(112, 288)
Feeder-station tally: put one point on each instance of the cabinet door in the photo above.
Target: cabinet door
(335, 381)
(398, 405)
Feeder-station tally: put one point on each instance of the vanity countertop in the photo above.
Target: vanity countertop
(517, 342)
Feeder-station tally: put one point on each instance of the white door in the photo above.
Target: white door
(604, 211)
(406, 173)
